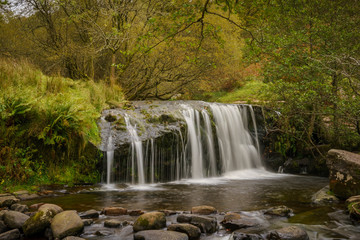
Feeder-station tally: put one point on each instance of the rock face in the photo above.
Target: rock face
(203, 210)
(14, 219)
(344, 173)
(66, 223)
(190, 230)
(149, 221)
(288, 233)
(160, 234)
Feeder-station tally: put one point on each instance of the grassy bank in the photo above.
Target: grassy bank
(48, 126)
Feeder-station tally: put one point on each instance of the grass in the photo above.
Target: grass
(46, 125)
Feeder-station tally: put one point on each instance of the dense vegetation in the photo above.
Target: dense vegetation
(301, 58)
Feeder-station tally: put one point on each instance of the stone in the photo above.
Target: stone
(114, 211)
(231, 217)
(169, 212)
(135, 212)
(103, 233)
(279, 211)
(90, 214)
(344, 173)
(41, 220)
(191, 231)
(288, 233)
(203, 210)
(246, 236)
(36, 206)
(243, 222)
(126, 233)
(88, 222)
(184, 218)
(14, 219)
(73, 238)
(50, 207)
(323, 197)
(24, 197)
(150, 221)
(48, 233)
(206, 224)
(160, 234)
(7, 201)
(3, 227)
(112, 223)
(10, 235)
(66, 223)
(2, 212)
(19, 208)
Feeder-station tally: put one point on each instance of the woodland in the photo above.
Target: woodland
(62, 62)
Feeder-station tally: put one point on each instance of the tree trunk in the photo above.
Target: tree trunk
(113, 70)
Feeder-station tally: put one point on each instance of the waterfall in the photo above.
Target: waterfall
(210, 140)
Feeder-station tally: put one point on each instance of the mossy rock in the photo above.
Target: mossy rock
(149, 221)
(110, 118)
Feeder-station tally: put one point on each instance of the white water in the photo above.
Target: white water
(110, 160)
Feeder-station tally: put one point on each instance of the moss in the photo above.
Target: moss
(110, 118)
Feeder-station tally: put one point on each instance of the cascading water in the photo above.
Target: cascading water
(110, 159)
(210, 140)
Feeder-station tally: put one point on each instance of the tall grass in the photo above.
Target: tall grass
(46, 123)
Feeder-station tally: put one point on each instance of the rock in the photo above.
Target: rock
(135, 212)
(5, 194)
(110, 118)
(243, 222)
(160, 234)
(288, 233)
(149, 221)
(51, 207)
(41, 220)
(323, 196)
(10, 235)
(184, 218)
(191, 231)
(112, 223)
(21, 192)
(203, 210)
(344, 173)
(279, 211)
(19, 208)
(169, 212)
(88, 222)
(246, 236)
(90, 214)
(296, 166)
(126, 233)
(73, 238)
(206, 224)
(7, 201)
(2, 212)
(66, 223)
(3, 227)
(103, 233)
(231, 217)
(36, 206)
(353, 199)
(114, 211)
(24, 197)
(14, 219)
(48, 233)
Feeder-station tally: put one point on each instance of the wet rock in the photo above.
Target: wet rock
(19, 208)
(206, 224)
(203, 210)
(14, 219)
(243, 222)
(67, 223)
(3, 227)
(41, 220)
(344, 173)
(90, 214)
(246, 236)
(7, 201)
(114, 211)
(110, 118)
(323, 196)
(191, 231)
(296, 166)
(36, 206)
(279, 211)
(112, 223)
(103, 233)
(73, 238)
(231, 217)
(126, 233)
(149, 221)
(160, 234)
(10, 235)
(135, 212)
(24, 197)
(169, 212)
(184, 218)
(88, 222)
(288, 233)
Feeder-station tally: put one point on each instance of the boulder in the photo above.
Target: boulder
(191, 231)
(24, 197)
(279, 211)
(288, 233)
(14, 219)
(160, 234)
(206, 224)
(243, 222)
(3, 227)
(323, 196)
(246, 236)
(184, 218)
(7, 201)
(112, 223)
(19, 208)
(10, 235)
(67, 223)
(73, 238)
(41, 220)
(2, 212)
(135, 212)
(114, 211)
(88, 222)
(36, 206)
(344, 173)
(203, 210)
(90, 214)
(150, 221)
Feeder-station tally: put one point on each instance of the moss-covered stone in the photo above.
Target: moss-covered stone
(151, 220)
